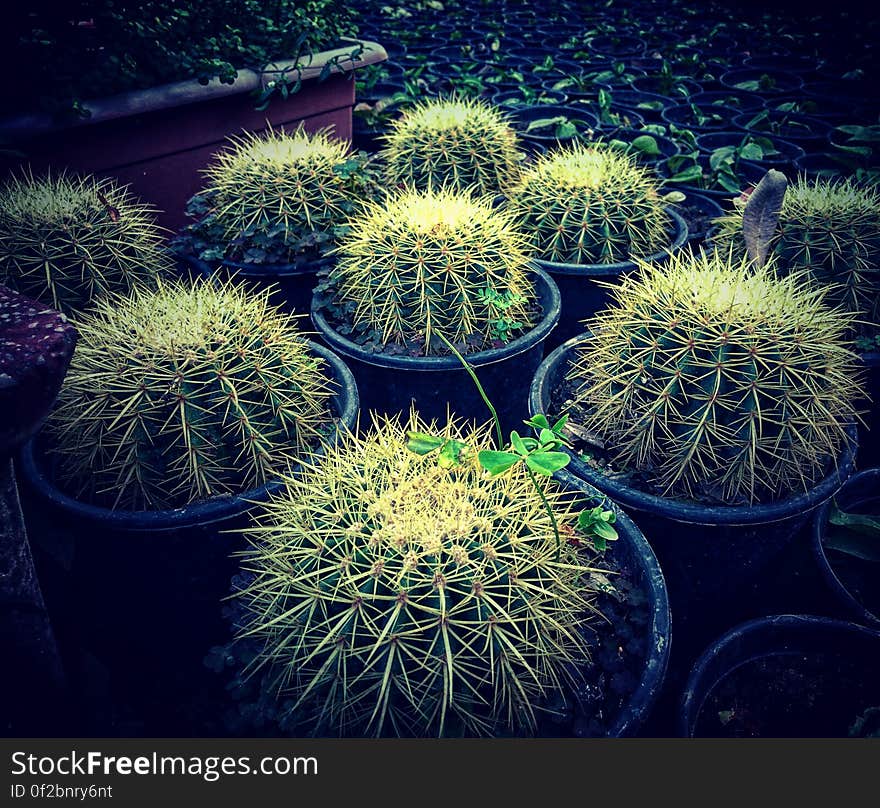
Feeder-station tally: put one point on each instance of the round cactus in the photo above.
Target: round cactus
(590, 204)
(831, 229)
(423, 263)
(717, 380)
(185, 392)
(66, 240)
(390, 595)
(457, 143)
(276, 197)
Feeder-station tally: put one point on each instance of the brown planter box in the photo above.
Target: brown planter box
(159, 139)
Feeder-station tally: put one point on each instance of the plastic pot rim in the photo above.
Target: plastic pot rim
(689, 710)
(547, 293)
(820, 522)
(651, 683)
(679, 237)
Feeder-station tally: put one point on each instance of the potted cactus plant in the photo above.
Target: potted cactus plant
(66, 240)
(830, 229)
(273, 207)
(421, 267)
(445, 640)
(711, 393)
(457, 143)
(587, 212)
(183, 407)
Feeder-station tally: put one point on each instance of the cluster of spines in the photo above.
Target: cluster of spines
(390, 595)
(66, 240)
(718, 380)
(453, 142)
(186, 392)
(421, 263)
(278, 183)
(830, 229)
(590, 204)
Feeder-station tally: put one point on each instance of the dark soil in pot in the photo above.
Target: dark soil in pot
(785, 676)
(699, 119)
(782, 155)
(698, 211)
(766, 83)
(810, 133)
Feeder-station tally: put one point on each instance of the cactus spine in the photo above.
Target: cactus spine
(456, 143)
(719, 380)
(66, 240)
(590, 204)
(390, 595)
(422, 263)
(183, 393)
(831, 229)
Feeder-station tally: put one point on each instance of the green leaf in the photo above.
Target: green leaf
(605, 530)
(450, 454)
(566, 129)
(423, 444)
(646, 144)
(674, 196)
(548, 436)
(559, 425)
(517, 443)
(751, 151)
(690, 174)
(547, 462)
(497, 462)
(538, 421)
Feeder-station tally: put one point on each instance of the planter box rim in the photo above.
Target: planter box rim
(167, 96)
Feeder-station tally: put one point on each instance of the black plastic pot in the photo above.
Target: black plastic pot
(748, 173)
(523, 116)
(790, 63)
(665, 145)
(820, 165)
(810, 133)
(632, 552)
(438, 384)
(141, 591)
(739, 101)
(514, 99)
(715, 118)
(788, 152)
(860, 493)
(783, 83)
(617, 47)
(714, 548)
(291, 284)
(869, 431)
(648, 106)
(657, 85)
(582, 296)
(698, 210)
(796, 638)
